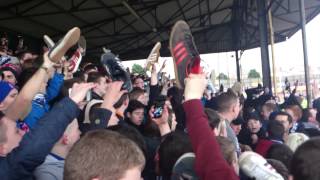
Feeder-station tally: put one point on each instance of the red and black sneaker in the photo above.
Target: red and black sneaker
(184, 52)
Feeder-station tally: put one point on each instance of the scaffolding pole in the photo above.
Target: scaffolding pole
(274, 77)
(305, 50)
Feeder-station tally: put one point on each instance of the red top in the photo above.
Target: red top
(209, 162)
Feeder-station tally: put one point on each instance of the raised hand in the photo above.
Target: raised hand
(113, 94)
(79, 91)
(195, 85)
(161, 122)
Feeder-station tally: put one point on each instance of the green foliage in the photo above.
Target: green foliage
(223, 76)
(136, 68)
(253, 74)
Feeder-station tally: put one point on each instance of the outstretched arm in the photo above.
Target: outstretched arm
(20, 107)
(37, 144)
(210, 163)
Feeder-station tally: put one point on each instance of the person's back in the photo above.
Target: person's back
(52, 167)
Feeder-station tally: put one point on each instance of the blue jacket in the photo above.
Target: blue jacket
(37, 144)
(40, 103)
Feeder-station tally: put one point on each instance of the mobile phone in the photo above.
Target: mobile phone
(89, 95)
(158, 112)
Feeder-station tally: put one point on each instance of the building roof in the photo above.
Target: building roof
(131, 27)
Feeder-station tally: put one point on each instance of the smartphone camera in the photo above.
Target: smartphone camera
(158, 112)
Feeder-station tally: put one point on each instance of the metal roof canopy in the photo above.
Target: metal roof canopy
(130, 28)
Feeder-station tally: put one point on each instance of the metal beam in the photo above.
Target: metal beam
(305, 50)
(263, 29)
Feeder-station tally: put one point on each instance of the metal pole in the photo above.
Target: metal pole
(238, 66)
(263, 30)
(305, 50)
(274, 77)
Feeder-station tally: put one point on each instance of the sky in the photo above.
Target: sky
(288, 56)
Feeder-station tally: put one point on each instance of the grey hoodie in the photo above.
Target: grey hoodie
(50, 169)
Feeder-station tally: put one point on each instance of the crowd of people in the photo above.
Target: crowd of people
(101, 123)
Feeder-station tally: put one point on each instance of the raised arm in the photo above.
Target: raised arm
(37, 144)
(210, 163)
(20, 107)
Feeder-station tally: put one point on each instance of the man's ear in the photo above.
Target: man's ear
(290, 125)
(233, 108)
(291, 177)
(126, 102)
(3, 152)
(128, 114)
(1, 106)
(64, 140)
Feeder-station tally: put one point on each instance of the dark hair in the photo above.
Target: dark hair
(281, 113)
(173, 146)
(305, 162)
(119, 103)
(135, 93)
(280, 152)
(296, 109)
(1, 115)
(133, 105)
(318, 116)
(22, 53)
(270, 106)
(176, 96)
(94, 77)
(279, 167)
(275, 129)
(254, 116)
(137, 77)
(25, 76)
(132, 134)
(213, 117)
(89, 67)
(306, 114)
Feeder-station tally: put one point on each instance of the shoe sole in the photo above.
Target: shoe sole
(48, 41)
(105, 50)
(155, 49)
(83, 44)
(248, 157)
(59, 50)
(177, 24)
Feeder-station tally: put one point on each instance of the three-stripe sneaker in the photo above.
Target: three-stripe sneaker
(184, 52)
(76, 58)
(60, 48)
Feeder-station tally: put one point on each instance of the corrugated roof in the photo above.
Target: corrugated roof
(112, 24)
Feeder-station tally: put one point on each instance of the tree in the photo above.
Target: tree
(222, 76)
(253, 74)
(136, 68)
